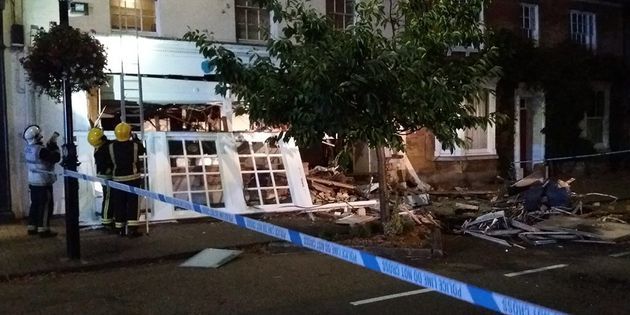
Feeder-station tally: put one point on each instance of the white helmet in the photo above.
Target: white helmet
(32, 134)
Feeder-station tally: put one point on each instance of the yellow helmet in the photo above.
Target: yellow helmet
(95, 137)
(122, 131)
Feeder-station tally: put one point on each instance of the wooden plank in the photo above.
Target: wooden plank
(331, 182)
(421, 185)
(322, 188)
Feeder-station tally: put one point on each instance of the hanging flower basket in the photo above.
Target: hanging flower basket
(64, 51)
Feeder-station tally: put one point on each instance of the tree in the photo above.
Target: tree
(387, 75)
(64, 51)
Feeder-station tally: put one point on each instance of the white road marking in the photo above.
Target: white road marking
(620, 254)
(514, 274)
(391, 296)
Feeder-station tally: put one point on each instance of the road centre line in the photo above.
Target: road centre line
(617, 255)
(391, 296)
(524, 272)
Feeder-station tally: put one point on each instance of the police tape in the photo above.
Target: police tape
(453, 288)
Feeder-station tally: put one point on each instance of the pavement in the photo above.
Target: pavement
(22, 255)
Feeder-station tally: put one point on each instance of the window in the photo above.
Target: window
(467, 49)
(195, 173)
(341, 12)
(584, 29)
(252, 22)
(529, 21)
(133, 15)
(480, 141)
(595, 124)
(264, 175)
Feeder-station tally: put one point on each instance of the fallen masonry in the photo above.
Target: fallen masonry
(541, 211)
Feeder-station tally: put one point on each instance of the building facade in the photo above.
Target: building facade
(151, 31)
(598, 26)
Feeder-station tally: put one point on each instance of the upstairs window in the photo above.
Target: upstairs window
(133, 15)
(529, 21)
(584, 29)
(252, 22)
(341, 12)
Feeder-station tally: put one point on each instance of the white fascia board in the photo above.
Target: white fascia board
(165, 56)
(169, 91)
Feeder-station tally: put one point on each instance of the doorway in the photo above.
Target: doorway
(529, 139)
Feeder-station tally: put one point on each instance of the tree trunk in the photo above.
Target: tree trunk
(382, 184)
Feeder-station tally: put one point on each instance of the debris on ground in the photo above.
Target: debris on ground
(540, 211)
(331, 186)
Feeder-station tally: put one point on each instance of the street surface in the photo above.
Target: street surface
(579, 279)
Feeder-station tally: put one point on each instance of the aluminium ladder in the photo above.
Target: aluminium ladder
(132, 106)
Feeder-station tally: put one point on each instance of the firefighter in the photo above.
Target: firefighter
(104, 170)
(40, 160)
(125, 156)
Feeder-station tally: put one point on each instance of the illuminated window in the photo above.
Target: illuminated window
(252, 21)
(133, 15)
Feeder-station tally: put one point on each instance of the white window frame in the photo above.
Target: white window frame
(261, 12)
(332, 14)
(532, 31)
(583, 27)
(203, 159)
(604, 145)
(273, 168)
(490, 152)
(471, 49)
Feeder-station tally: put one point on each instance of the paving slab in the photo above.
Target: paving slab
(21, 254)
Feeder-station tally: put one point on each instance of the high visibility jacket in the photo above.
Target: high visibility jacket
(103, 161)
(40, 161)
(125, 159)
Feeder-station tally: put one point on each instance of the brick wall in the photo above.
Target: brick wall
(447, 174)
(555, 21)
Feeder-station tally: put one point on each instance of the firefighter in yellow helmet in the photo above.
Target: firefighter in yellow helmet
(125, 155)
(104, 168)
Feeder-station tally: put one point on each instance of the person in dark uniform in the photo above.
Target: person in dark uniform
(125, 156)
(40, 160)
(104, 168)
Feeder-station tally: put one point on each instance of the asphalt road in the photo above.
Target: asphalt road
(586, 280)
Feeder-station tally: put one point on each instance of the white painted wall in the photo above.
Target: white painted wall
(217, 16)
(173, 17)
(159, 57)
(97, 20)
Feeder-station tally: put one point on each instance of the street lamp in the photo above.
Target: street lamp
(70, 160)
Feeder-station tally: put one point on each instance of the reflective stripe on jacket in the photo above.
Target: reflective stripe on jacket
(37, 166)
(125, 158)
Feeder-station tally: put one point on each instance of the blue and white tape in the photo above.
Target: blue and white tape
(453, 288)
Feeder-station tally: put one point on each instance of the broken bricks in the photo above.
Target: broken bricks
(543, 215)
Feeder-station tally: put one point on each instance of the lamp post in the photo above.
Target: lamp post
(70, 160)
(5, 184)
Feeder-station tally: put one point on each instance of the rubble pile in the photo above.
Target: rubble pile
(328, 185)
(539, 211)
